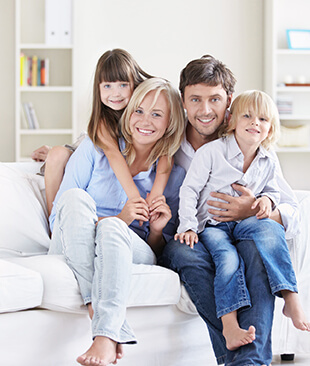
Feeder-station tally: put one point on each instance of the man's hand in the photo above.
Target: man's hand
(234, 208)
(190, 238)
(134, 209)
(264, 204)
(40, 154)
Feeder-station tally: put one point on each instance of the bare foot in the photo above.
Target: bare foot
(237, 337)
(102, 352)
(292, 309)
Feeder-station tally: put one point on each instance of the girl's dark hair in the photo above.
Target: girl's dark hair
(114, 65)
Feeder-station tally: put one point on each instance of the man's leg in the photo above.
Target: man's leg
(196, 270)
(260, 314)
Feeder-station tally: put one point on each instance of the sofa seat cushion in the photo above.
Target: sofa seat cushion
(151, 285)
(20, 288)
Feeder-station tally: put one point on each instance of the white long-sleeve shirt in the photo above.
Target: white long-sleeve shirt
(287, 203)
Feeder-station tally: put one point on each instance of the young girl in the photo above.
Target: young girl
(240, 156)
(117, 75)
(96, 227)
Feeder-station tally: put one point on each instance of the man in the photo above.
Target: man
(206, 87)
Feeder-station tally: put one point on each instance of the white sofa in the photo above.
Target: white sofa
(44, 323)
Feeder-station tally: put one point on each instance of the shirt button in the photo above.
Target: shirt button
(122, 202)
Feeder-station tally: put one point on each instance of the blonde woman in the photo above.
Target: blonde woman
(99, 230)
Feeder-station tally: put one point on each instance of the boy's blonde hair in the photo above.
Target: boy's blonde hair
(172, 138)
(261, 104)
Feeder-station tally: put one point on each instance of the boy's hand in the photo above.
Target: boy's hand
(264, 205)
(190, 237)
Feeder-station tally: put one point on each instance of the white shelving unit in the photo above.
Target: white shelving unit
(289, 66)
(54, 104)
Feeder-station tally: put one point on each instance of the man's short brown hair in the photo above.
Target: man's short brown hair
(207, 70)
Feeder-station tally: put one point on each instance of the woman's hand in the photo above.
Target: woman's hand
(134, 209)
(190, 238)
(264, 205)
(160, 214)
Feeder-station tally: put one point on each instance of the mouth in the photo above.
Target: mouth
(145, 132)
(119, 101)
(205, 120)
(252, 130)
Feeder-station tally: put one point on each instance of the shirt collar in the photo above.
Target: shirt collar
(233, 149)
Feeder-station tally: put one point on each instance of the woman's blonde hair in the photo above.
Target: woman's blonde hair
(169, 143)
(259, 103)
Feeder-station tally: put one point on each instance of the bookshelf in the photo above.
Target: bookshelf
(287, 77)
(54, 103)
(287, 72)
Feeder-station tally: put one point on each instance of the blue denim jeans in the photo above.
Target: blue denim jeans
(196, 270)
(230, 289)
(101, 258)
(229, 284)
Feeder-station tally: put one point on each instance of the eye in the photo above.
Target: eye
(195, 100)
(124, 85)
(138, 111)
(106, 86)
(246, 115)
(155, 114)
(214, 100)
(263, 119)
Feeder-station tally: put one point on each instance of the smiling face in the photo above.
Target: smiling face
(251, 129)
(116, 95)
(149, 121)
(206, 106)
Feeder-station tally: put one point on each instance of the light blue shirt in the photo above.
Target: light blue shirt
(88, 168)
(214, 168)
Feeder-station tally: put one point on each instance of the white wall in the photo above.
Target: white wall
(162, 35)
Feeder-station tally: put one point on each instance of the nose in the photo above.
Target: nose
(255, 121)
(205, 108)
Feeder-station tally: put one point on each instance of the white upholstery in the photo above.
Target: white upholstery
(20, 288)
(56, 329)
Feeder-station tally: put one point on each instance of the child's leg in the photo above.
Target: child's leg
(234, 335)
(56, 161)
(230, 289)
(293, 309)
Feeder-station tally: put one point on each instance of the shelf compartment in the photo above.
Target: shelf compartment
(54, 110)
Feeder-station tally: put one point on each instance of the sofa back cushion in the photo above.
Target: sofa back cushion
(24, 227)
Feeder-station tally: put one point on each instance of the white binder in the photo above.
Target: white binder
(58, 22)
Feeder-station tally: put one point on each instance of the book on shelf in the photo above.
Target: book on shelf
(34, 71)
(30, 116)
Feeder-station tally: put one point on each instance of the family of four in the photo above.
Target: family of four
(124, 197)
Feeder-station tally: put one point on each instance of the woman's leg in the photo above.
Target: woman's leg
(74, 236)
(117, 247)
